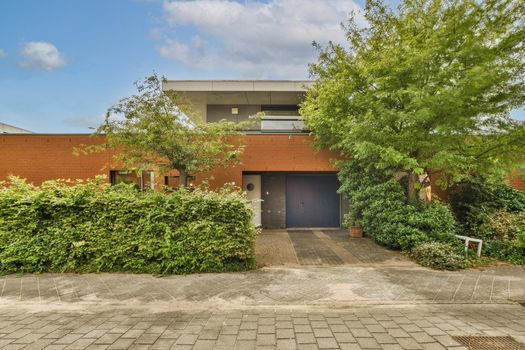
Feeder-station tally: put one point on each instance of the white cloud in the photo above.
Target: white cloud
(2, 54)
(41, 55)
(256, 39)
(86, 122)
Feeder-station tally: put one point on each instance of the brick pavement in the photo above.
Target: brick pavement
(338, 286)
(384, 327)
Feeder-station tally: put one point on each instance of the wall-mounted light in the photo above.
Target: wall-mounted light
(235, 110)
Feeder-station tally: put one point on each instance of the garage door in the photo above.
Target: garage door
(312, 200)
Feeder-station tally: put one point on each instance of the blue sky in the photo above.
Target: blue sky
(64, 62)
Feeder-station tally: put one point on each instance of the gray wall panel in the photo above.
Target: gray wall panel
(215, 113)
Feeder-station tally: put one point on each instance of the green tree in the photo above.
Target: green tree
(426, 89)
(155, 130)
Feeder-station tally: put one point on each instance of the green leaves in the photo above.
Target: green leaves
(442, 256)
(425, 89)
(93, 227)
(379, 203)
(157, 130)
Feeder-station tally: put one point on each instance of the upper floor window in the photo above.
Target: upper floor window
(281, 118)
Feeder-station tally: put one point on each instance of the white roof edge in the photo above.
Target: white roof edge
(236, 85)
(16, 128)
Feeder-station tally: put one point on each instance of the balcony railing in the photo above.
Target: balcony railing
(282, 123)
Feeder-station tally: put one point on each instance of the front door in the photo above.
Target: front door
(252, 186)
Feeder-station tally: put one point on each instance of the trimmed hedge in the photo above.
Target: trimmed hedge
(94, 227)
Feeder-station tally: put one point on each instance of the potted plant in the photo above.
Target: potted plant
(354, 226)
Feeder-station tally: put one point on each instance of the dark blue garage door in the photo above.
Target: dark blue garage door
(312, 200)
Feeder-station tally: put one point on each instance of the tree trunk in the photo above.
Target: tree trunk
(425, 194)
(183, 178)
(412, 192)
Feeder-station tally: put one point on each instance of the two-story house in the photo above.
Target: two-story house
(290, 183)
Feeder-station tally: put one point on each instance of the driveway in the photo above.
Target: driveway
(322, 248)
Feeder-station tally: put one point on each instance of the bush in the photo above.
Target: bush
(438, 255)
(94, 227)
(379, 202)
(503, 236)
(475, 200)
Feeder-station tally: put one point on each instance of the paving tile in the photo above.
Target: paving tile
(108, 338)
(265, 339)
(409, 344)
(204, 344)
(121, 344)
(303, 328)
(187, 339)
(322, 333)
(327, 343)
(284, 334)
(346, 337)
(245, 345)
(247, 335)
(305, 338)
(266, 329)
(286, 344)
(368, 343)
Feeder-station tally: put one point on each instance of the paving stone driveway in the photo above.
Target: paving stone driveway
(322, 248)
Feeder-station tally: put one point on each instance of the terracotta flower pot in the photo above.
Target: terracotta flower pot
(356, 232)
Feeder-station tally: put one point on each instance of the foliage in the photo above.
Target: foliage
(425, 89)
(93, 227)
(503, 235)
(156, 130)
(473, 201)
(438, 255)
(380, 204)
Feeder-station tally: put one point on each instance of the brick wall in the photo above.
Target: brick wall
(43, 157)
(517, 182)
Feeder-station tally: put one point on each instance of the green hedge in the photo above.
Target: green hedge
(475, 200)
(95, 227)
(494, 212)
(503, 235)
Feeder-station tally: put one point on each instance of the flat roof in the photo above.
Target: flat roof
(237, 85)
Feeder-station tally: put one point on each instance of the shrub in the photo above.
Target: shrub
(94, 227)
(503, 235)
(379, 202)
(438, 255)
(475, 200)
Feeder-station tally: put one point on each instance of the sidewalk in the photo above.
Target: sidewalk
(334, 307)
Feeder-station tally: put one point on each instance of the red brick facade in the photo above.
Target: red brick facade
(42, 157)
(39, 157)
